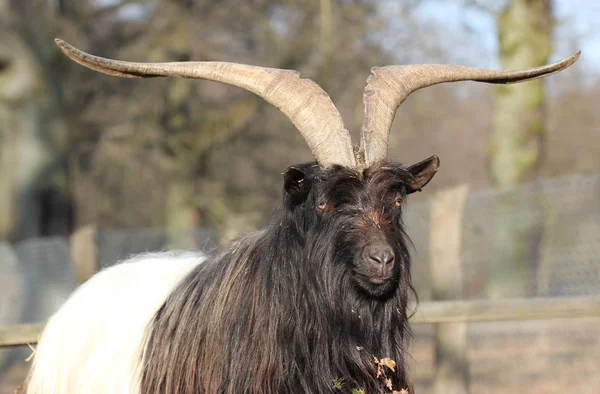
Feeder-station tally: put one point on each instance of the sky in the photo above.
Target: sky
(577, 20)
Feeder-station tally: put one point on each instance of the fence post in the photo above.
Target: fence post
(84, 252)
(447, 207)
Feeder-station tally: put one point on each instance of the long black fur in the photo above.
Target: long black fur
(288, 309)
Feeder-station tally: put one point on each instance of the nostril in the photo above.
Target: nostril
(382, 256)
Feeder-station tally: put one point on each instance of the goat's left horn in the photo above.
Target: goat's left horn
(303, 101)
(388, 87)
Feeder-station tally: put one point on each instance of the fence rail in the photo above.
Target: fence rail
(510, 309)
(427, 313)
(21, 334)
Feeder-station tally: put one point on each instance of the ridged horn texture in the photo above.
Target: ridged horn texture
(388, 87)
(303, 101)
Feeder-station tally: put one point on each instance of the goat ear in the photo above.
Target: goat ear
(422, 173)
(295, 182)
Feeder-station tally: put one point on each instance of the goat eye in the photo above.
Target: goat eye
(398, 202)
(322, 205)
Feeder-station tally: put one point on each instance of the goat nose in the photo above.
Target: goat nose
(382, 256)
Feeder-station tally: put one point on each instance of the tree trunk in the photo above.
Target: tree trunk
(446, 224)
(182, 214)
(524, 29)
(33, 196)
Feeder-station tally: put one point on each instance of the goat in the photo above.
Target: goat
(314, 302)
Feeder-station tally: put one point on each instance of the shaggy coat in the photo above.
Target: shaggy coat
(291, 308)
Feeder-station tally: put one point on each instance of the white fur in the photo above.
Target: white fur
(93, 344)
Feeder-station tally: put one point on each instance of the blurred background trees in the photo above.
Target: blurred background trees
(33, 136)
(79, 147)
(152, 154)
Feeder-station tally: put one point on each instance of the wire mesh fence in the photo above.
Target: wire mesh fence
(564, 216)
(555, 231)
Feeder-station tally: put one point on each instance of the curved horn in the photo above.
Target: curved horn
(388, 87)
(303, 101)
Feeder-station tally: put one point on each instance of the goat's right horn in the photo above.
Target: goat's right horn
(303, 101)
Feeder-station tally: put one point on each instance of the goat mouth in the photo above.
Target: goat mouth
(379, 281)
(380, 287)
